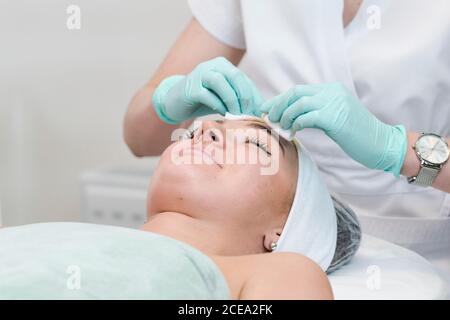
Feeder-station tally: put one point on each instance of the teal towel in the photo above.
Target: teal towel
(87, 261)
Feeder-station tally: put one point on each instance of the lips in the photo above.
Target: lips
(201, 154)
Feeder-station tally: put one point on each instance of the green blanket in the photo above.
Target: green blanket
(87, 261)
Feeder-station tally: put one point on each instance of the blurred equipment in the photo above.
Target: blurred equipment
(115, 196)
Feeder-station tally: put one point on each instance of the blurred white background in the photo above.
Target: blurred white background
(63, 94)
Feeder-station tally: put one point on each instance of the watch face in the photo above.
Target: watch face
(432, 149)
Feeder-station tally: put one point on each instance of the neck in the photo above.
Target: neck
(200, 234)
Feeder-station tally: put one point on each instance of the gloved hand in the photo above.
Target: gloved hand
(336, 111)
(215, 86)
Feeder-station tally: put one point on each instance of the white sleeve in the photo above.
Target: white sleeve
(222, 19)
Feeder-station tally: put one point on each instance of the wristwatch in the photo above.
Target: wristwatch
(433, 152)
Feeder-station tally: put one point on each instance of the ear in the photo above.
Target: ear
(271, 235)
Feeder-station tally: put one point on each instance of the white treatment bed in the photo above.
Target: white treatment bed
(382, 270)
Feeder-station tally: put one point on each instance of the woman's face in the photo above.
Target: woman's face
(217, 174)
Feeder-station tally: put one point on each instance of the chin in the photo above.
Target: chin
(174, 186)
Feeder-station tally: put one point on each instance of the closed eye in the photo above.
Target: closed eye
(263, 126)
(259, 144)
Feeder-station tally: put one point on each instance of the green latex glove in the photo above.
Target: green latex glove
(333, 109)
(215, 86)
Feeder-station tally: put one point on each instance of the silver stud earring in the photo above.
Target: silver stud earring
(273, 246)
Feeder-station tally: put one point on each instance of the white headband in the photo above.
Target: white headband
(311, 227)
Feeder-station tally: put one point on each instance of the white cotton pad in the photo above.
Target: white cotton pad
(230, 116)
(286, 134)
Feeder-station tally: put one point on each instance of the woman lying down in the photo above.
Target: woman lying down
(218, 228)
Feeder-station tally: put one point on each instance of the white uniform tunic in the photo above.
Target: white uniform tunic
(395, 56)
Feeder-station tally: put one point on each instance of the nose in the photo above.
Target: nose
(213, 133)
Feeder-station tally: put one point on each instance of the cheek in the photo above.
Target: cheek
(248, 183)
(268, 191)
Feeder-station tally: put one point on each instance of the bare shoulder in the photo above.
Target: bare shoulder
(285, 275)
(282, 275)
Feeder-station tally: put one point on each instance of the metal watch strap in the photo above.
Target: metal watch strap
(425, 177)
